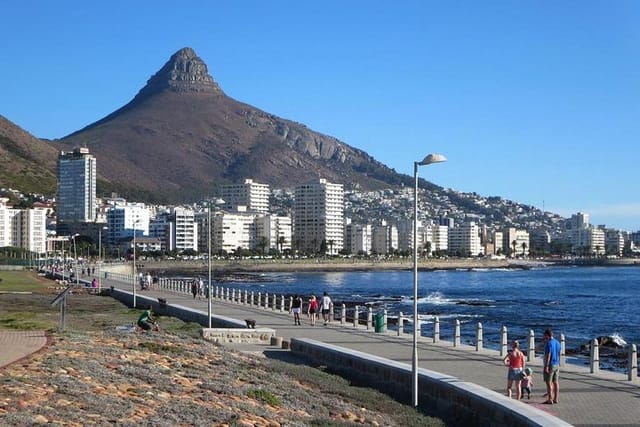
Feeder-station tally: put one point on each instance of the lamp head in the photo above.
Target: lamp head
(432, 158)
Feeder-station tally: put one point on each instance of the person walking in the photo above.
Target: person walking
(296, 308)
(551, 367)
(312, 310)
(515, 360)
(327, 306)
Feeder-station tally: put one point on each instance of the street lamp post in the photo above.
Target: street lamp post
(218, 202)
(134, 262)
(75, 256)
(431, 158)
(209, 260)
(100, 257)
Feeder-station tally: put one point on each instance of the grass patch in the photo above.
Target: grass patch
(22, 281)
(264, 396)
(23, 321)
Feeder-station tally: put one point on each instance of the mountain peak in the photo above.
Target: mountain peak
(183, 72)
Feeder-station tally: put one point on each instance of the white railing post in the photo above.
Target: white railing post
(563, 346)
(252, 301)
(436, 329)
(400, 324)
(266, 300)
(456, 334)
(282, 303)
(369, 317)
(633, 363)
(384, 324)
(503, 341)
(531, 351)
(479, 337)
(274, 303)
(343, 314)
(595, 356)
(356, 314)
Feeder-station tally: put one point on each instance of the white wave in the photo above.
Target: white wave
(617, 338)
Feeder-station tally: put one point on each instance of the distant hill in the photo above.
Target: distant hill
(28, 163)
(181, 137)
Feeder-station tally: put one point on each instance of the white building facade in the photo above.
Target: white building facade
(252, 195)
(275, 231)
(465, 239)
(23, 228)
(319, 217)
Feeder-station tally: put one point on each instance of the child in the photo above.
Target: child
(527, 382)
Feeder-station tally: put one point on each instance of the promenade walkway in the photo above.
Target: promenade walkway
(604, 399)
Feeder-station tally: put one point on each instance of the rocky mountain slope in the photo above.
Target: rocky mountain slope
(182, 136)
(28, 163)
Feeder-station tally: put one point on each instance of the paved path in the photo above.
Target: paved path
(17, 345)
(585, 399)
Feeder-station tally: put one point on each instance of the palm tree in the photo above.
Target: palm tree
(524, 248)
(263, 242)
(427, 247)
(281, 242)
(514, 244)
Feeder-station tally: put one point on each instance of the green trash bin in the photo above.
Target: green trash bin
(379, 322)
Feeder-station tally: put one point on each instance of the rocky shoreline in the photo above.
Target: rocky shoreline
(329, 265)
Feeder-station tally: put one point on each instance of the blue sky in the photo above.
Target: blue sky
(533, 101)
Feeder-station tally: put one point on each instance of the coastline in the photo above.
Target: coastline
(329, 265)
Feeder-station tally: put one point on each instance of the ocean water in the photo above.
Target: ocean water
(580, 302)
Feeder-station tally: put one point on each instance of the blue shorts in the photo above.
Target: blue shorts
(514, 374)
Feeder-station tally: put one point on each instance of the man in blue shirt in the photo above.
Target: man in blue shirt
(551, 366)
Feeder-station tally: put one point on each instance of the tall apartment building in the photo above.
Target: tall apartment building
(613, 241)
(319, 217)
(233, 230)
(384, 239)
(466, 239)
(183, 232)
(438, 236)
(23, 228)
(76, 198)
(277, 232)
(252, 195)
(123, 220)
(515, 241)
(357, 238)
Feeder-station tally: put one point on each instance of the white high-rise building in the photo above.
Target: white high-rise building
(438, 236)
(76, 198)
(183, 230)
(23, 228)
(465, 239)
(319, 217)
(124, 219)
(252, 195)
(233, 230)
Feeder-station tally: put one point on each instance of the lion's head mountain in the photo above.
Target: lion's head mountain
(181, 136)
